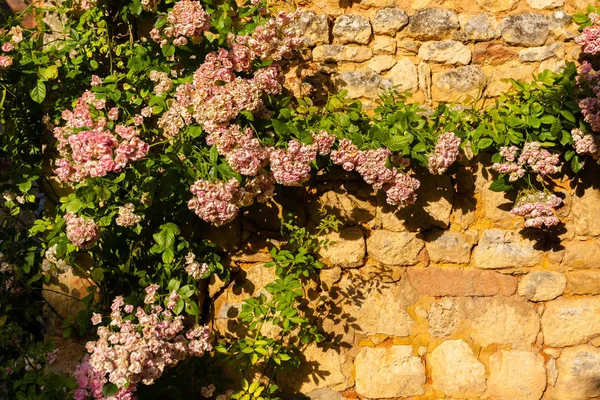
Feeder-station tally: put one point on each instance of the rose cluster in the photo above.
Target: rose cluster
(53, 265)
(372, 165)
(88, 148)
(538, 209)
(588, 81)
(586, 144)
(137, 346)
(127, 218)
(445, 153)
(16, 37)
(193, 268)
(532, 156)
(82, 232)
(186, 20)
(589, 40)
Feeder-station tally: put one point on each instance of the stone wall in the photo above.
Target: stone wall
(441, 50)
(448, 298)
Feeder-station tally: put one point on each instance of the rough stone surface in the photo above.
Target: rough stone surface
(526, 29)
(586, 213)
(582, 254)
(384, 45)
(578, 372)
(351, 28)
(542, 285)
(448, 247)
(500, 249)
(321, 368)
(457, 282)
(432, 208)
(506, 320)
(345, 206)
(382, 63)
(347, 248)
(324, 394)
(432, 24)
(545, 4)
(394, 248)
(388, 21)
(457, 84)
(337, 53)
(571, 322)
(583, 282)
(447, 52)
(455, 370)
(404, 74)
(314, 28)
(498, 76)
(358, 84)
(497, 5)
(389, 372)
(541, 53)
(480, 27)
(361, 304)
(516, 374)
(493, 53)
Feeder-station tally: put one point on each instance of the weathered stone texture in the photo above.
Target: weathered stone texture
(582, 254)
(578, 372)
(571, 322)
(349, 208)
(314, 28)
(457, 84)
(446, 52)
(583, 282)
(394, 248)
(388, 21)
(404, 75)
(389, 372)
(432, 24)
(358, 84)
(352, 28)
(457, 282)
(586, 212)
(497, 5)
(542, 285)
(499, 249)
(382, 63)
(346, 248)
(527, 29)
(455, 370)
(384, 45)
(493, 53)
(480, 27)
(448, 247)
(337, 53)
(516, 374)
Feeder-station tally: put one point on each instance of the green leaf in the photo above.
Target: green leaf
(501, 185)
(38, 93)
(165, 238)
(97, 274)
(576, 165)
(179, 307)
(484, 143)
(110, 389)
(568, 115)
(168, 50)
(167, 256)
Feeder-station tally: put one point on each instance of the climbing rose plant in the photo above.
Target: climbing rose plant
(135, 126)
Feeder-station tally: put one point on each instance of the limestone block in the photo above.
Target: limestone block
(432, 24)
(570, 322)
(382, 63)
(349, 208)
(352, 28)
(448, 247)
(582, 254)
(578, 372)
(455, 370)
(314, 28)
(545, 4)
(389, 372)
(542, 285)
(337, 53)
(480, 27)
(388, 21)
(404, 75)
(493, 53)
(384, 45)
(500, 249)
(586, 212)
(347, 248)
(457, 84)
(583, 282)
(446, 52)
(394, 248)
(497, 5)
(516, 374)
(527, 29)
(358, 84)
